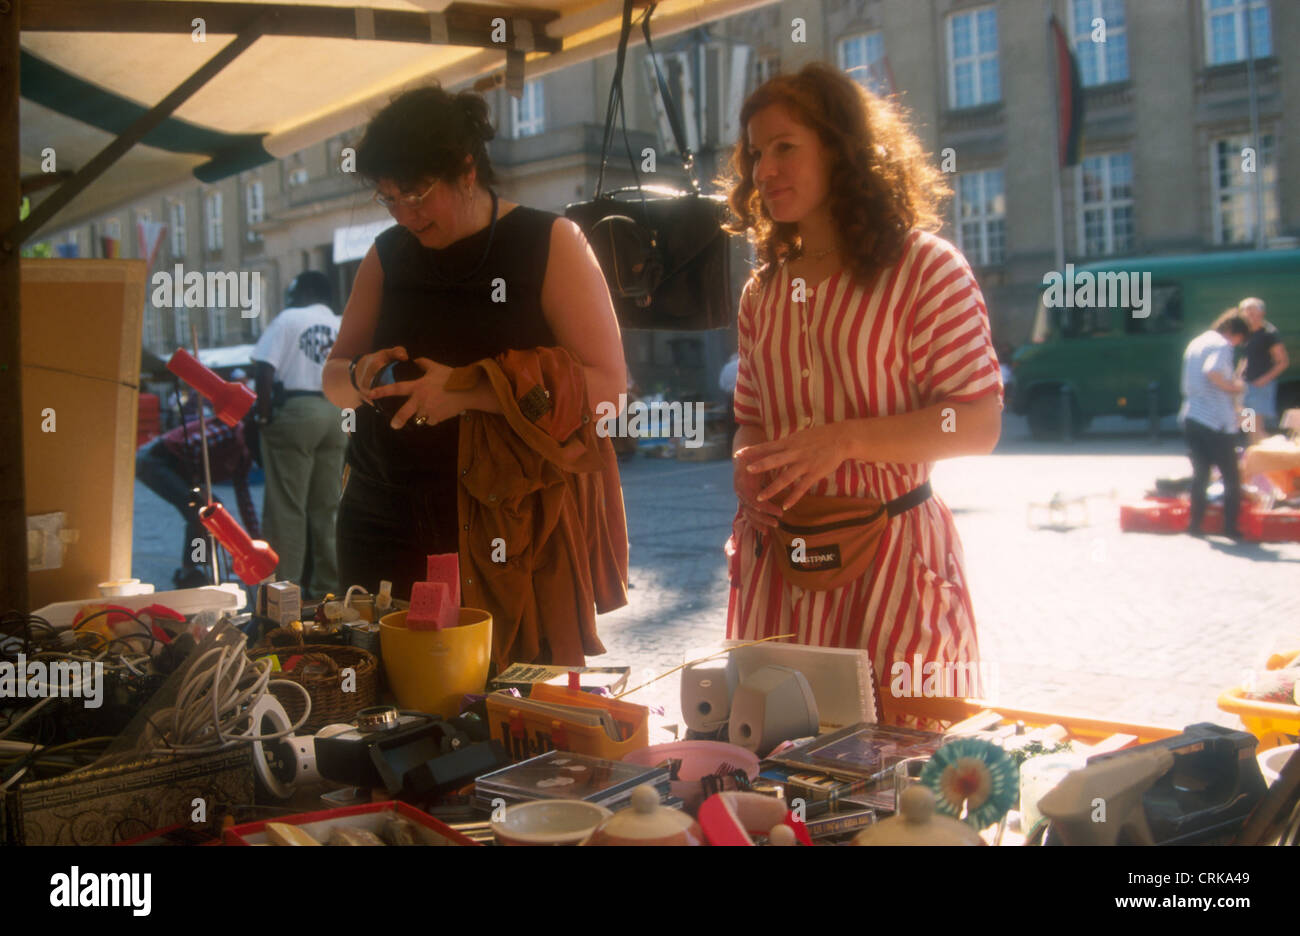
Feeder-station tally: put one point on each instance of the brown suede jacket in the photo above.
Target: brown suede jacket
(543, 538)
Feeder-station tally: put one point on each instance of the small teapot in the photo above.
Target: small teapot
(917, 824)
(646, 822)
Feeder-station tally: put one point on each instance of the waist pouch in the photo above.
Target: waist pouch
(827, 542)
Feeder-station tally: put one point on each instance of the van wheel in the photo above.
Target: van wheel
(1045, 417)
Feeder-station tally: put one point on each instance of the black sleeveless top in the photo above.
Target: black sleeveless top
(432, 310)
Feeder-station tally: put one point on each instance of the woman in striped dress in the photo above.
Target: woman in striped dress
(865, 356)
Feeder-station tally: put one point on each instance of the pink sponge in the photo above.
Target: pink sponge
(431, 607)
(445, 568)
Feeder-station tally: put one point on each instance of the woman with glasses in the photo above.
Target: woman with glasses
(462, 276)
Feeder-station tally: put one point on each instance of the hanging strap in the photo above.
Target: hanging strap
(615, 106)
(674, 118)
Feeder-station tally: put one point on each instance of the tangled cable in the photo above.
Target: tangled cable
(216, 698)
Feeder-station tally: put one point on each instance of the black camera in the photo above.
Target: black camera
(394, 372)
(409, 752)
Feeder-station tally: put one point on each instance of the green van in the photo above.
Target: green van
(1098, 358)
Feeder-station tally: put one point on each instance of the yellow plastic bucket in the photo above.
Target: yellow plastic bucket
(429, 670)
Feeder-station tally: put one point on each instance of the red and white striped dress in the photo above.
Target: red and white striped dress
(920, 336)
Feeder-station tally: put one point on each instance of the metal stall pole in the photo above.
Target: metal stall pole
(13, 510)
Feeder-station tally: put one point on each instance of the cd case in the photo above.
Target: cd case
(862, 751)
(565, 775)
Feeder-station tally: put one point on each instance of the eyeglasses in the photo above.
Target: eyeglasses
(406, 201)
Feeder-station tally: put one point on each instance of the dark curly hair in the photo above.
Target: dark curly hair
(883, 182)
(427, 132)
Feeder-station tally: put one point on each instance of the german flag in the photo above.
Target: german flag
(1069, 99)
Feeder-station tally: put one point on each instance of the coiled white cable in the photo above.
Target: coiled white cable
(214, 699)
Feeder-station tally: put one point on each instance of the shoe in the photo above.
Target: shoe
(1196, 531)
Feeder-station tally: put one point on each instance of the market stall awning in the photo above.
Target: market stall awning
(304, 70)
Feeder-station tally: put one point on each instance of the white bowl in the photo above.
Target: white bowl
(548, 822)
(1273, 760)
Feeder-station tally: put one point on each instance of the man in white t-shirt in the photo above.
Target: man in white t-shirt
(302, 434)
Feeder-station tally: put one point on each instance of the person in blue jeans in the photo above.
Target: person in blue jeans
(172, 467)
(1209, 416)
(1266, 359)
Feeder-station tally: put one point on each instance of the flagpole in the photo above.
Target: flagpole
(1058, 210)
(1260, 221)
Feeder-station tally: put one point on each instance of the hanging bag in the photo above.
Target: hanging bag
(663, 251)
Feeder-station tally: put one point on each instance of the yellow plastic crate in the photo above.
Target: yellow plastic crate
(1274, 723)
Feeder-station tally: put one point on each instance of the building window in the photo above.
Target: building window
(178, 229)
(298, 177)
(863, 57)
(981, 216)
(1100, 62)
(1226, 39)
(212, 212)
(254, 208)
(1231, 164)
(766, 67)
(217, 327)
(527, 115)
(181, 322)
(1105, 199)
(973, 77)
(679, 74)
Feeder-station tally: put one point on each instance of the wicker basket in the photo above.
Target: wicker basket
(329, 703)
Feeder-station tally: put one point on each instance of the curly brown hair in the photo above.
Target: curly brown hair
(883, 180)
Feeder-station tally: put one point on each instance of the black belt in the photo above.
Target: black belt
(893, 508)
(290, 394)
(913, 498)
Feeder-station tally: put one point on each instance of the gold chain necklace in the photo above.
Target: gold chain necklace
(818, 255)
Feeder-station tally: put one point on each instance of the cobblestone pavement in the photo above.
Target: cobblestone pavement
(1132, 627)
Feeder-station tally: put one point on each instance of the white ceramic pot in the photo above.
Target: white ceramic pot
(646, 822)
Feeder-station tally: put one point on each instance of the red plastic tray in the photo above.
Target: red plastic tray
(1155, 515)
(1172, 515)
(254, 833)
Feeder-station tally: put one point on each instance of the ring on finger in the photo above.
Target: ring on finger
(420, 420)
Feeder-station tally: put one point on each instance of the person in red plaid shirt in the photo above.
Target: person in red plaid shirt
(172, 467)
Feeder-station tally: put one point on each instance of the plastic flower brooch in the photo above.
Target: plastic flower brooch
(975, 776)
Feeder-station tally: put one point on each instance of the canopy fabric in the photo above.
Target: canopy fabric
(80, 89)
